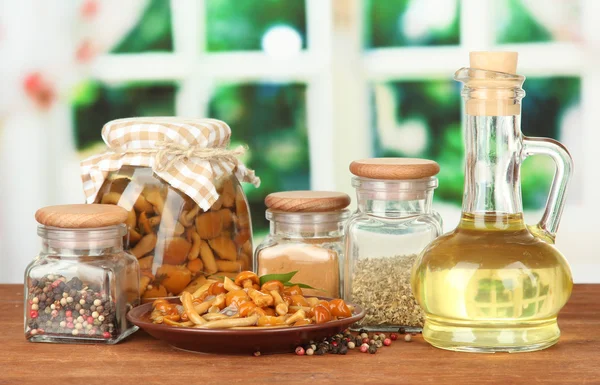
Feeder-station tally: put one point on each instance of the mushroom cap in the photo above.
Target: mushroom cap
(237, 297)
(246, 275)
(272, 285)
(216, 288)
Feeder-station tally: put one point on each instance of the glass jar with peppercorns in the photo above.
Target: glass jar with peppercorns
(81, 285)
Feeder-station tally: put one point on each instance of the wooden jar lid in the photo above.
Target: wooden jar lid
(81, 216)
(394, 168)
(307, 201)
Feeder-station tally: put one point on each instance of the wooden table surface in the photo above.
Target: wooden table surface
(143, 360)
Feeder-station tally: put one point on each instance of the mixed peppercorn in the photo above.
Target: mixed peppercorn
(61, 307)
(343, 342)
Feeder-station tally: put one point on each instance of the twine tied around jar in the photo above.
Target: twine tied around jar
(166, 154)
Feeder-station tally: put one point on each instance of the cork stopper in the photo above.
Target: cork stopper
(493, 84)
(394, 168)
(494, 61)
(307, 201)
(81, 216)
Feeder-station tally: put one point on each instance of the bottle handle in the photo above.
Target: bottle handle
(548, 225)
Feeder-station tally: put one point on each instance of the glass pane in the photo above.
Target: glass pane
(276, 26)
(422, 119)
(96, 103)
(152, 33)
(520, 21)
(393, 23)
(270, 119)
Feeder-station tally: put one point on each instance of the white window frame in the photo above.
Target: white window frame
(337, 72)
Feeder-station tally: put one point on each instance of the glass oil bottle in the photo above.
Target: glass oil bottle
(494, 283)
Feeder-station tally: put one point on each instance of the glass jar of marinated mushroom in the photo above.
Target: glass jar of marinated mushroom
(307, 230)
(393, 223)
(82, 284)
(188, 217)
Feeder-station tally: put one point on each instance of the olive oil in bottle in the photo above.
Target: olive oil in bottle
(494, 283)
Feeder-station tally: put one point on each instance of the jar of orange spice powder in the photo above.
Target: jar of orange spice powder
(306, 235)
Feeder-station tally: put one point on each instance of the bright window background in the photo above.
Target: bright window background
(310, 85)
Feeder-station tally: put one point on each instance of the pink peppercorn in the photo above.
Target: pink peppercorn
(365, 340)
(106, 335)
(68, 313)
(387, 342)
(300, 351)
(70, 325)
(90, 319)
(393, 336)
(33, 314)
(364, 348)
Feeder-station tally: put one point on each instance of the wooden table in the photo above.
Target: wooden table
(143, 360)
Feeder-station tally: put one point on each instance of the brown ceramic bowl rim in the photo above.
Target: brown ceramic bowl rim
(135, 316)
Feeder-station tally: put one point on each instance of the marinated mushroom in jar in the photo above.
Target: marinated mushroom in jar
(178, 245)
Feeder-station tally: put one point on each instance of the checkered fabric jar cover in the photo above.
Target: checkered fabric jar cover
(189, 154)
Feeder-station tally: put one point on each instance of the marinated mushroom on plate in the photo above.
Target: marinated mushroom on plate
(248, 301)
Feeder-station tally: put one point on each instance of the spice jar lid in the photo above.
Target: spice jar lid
(394, 168)
(81, 216)
(307, 201)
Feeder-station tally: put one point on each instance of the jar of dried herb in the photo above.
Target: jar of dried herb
(307, 229)
(393, 223)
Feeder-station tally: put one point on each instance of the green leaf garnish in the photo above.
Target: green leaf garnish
(301, 285)
(283, 278)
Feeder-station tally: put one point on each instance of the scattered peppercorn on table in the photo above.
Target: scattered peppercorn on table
(143, 360)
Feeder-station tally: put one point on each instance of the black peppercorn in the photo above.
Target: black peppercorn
(372, 349)
(402, 331)
(343, 350)
(320, 352)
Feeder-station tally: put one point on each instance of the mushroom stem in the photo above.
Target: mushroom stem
(296, 308)
(203, 289)
(230, 322)
(280, 306)
(214, 316)
(204, 306)
(297, 316)
(229, 285)
(260, 299)
(188, 306)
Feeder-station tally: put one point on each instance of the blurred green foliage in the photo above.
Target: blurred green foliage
(517, 25)
(438, 103)
(271, 120)
(385, 26)
(240, 24)
(152, 33)
(95, 103)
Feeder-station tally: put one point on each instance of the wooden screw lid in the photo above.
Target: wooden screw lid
(394, 168)
(307, 201)
(81, 216)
